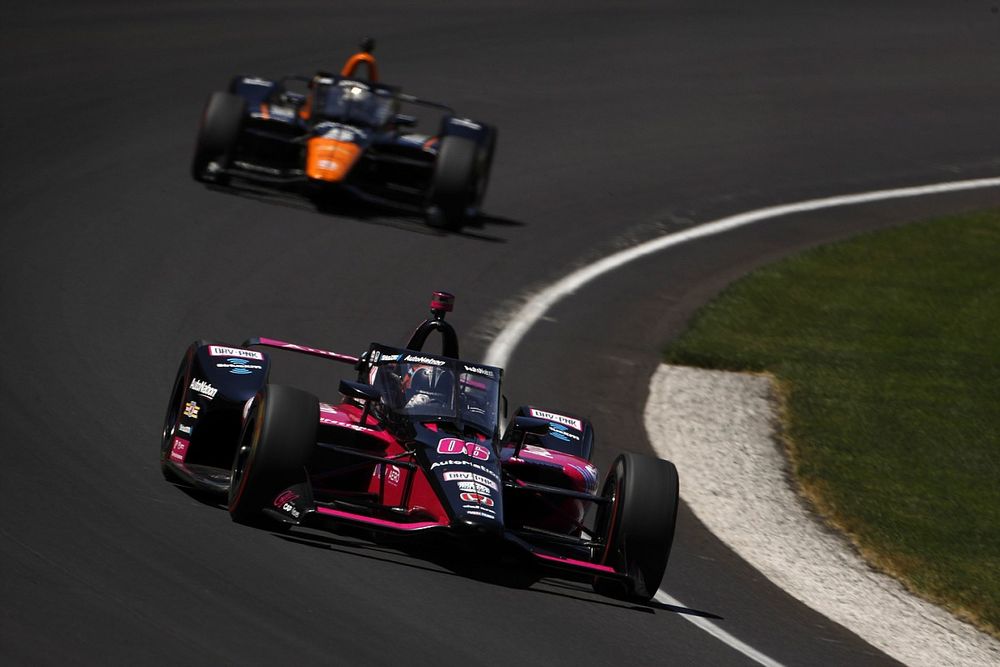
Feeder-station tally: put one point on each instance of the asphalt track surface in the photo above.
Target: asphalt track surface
(619, 122)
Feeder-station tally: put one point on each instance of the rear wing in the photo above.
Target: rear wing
(304, 349)
(412, 99)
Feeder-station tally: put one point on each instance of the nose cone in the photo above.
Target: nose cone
(477, 529)
(331, 160)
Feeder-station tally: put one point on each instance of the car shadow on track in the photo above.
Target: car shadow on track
(583, 592)
(203, 497)
(373, 214)
(433, 559)
(357, 543)
(417, 554)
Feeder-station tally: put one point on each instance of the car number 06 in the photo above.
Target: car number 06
(456, 446)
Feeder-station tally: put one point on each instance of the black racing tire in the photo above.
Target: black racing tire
(218, 133)
(174, 408)
(454, 184)
(637, 525)
(277, 440)
(484, 164)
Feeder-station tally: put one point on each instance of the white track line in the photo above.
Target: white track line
(720, 634)
(540, 302)
(537, 304)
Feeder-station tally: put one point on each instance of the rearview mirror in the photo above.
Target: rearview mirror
(361, 392)
(528, 425)
(404, 120)
(531, 425)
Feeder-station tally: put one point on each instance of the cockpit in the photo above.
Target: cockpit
(426, 387)
(353, 103)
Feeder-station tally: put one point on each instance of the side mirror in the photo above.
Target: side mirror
(404, 120)
(528, 425)
(360, 392)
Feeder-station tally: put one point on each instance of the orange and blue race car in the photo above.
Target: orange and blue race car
(413, 447)
(331, 135)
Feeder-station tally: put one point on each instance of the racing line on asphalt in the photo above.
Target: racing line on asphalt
(538, 303)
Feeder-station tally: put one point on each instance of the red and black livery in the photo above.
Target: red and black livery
(414, 446)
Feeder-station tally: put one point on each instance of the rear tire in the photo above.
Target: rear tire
(484, 164)
(278, 438)
(218, 133)
(637, 525)
(455, 182)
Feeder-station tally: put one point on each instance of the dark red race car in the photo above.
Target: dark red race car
(414, 446)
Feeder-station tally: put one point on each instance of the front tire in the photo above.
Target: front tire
(456, 182)
(637, 525)
(484, 164)
(278, 438)
(218, 133)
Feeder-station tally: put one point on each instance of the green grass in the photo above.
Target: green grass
(887, 351)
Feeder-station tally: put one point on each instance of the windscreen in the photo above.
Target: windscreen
(422, 386)
(354, 103)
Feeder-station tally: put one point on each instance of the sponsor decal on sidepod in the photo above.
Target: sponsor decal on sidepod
(559, 419)
(561, 432)
(239, 366)
(219, 351)
(204, 388)
(179, 449)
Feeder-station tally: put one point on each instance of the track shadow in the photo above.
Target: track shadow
(416, 554)
(438, 559)
(368, 213)
(512, 569)
(688, 611)
(442, 557)
(203, 497)
(582, 591)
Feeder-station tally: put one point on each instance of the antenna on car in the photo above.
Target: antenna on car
(441, 304)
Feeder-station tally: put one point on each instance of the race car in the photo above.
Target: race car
(413, 447)
(331, 135)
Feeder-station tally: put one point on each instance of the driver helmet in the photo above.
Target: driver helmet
(429, 385)
(355, 93)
